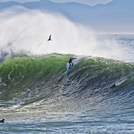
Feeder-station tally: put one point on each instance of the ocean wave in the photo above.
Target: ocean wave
(25, 79)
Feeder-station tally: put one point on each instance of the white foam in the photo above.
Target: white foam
(28, 31)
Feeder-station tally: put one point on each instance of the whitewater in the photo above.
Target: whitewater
(36, 96)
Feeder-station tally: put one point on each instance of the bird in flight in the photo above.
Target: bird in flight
(49, 39)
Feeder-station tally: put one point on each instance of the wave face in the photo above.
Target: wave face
(25, 76)
(24, 80)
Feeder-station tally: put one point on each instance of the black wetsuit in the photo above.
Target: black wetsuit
(2, 121)
(114, 85)
(70, 62)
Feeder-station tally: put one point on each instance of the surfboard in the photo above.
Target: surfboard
(69, 68)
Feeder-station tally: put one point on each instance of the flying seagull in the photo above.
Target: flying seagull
(49, 39)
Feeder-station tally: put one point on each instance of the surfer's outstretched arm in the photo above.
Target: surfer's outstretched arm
(70, 60)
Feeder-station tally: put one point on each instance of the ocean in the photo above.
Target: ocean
(38, 97)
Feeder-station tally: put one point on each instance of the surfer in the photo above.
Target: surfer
(114, 85)
(2, 121)
(50, 38)
(70, 62)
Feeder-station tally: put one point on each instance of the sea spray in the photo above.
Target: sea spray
(25, 31)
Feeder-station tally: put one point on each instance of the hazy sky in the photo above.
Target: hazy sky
(88, 2)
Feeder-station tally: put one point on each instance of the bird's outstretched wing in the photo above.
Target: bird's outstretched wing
(50, 38)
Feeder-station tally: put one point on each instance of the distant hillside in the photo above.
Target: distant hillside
(114, 15)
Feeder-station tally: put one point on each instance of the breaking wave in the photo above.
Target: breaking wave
(27, 80)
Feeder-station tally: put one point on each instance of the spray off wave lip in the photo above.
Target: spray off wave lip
(21, 35)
